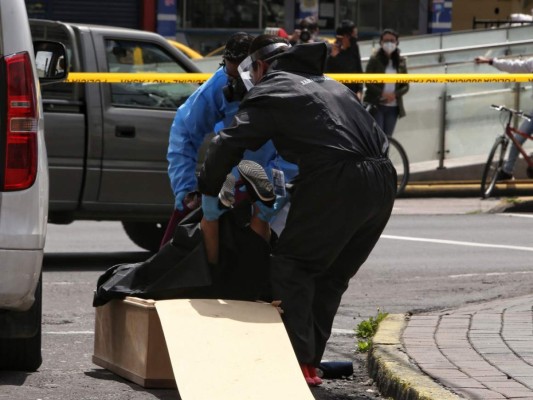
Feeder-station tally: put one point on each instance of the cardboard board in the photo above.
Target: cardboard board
(229, 350)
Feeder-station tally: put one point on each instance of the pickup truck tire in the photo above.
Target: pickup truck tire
(147, 235)
(24, 354)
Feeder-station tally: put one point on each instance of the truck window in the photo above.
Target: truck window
(58, 91)
(134, 57)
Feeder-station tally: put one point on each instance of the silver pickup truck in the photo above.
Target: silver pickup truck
(107, 143)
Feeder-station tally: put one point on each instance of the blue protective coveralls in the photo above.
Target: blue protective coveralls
(204, 112)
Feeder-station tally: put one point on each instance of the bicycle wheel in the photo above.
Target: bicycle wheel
(493, 166)
(399, 159)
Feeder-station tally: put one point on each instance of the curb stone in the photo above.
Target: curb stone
(395, 375)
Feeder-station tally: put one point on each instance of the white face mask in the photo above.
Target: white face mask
(388, 47)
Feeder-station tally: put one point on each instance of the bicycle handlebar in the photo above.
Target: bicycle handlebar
(511, 112)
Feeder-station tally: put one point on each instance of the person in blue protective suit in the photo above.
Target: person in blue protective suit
(210, 108)
(341, 199)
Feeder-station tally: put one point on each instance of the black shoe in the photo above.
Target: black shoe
(257, 183)
(226, 196)
(504, 176)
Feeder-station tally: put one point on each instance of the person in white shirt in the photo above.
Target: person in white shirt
(386, 100)
(512, 66)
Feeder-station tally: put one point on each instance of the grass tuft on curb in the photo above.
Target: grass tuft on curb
(367, 329)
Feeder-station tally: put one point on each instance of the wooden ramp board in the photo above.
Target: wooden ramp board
(228, 350)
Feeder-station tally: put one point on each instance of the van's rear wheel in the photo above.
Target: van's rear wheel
(24, 353)
(147, 235)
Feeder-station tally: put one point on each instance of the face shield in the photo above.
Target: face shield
(245, 66)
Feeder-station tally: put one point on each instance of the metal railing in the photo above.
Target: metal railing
(489, 23)
(448, 123)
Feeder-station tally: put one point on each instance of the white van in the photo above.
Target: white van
(23, 185)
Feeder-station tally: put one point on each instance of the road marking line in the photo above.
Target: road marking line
(339, 331)
(463, 275)
(490, 274)
(457, 243)
(516, 215)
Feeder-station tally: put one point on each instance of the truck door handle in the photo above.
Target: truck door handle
(125, 131)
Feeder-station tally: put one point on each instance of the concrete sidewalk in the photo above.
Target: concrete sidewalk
(482, 351)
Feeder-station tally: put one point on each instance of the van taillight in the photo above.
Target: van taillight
(21, 139)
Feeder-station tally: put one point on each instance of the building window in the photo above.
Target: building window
(372, 16)
(241, 14)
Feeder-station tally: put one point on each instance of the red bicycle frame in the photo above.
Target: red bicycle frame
(510, 131)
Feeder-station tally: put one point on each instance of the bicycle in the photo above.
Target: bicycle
(399, 159)
(496, 157)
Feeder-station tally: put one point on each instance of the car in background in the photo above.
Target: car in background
(107, 143)
(211, 61)
(192, 54)
(23, 183)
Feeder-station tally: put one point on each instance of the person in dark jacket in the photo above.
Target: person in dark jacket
(345, 57)
(341, 199)
(387, 99)
(307, 31)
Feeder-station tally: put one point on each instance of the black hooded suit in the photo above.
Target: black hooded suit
(340, 201)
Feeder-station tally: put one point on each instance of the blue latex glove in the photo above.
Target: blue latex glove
(211, 208)
(267, 213)
(178, 205)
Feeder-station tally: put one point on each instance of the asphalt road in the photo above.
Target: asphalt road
(428, 258)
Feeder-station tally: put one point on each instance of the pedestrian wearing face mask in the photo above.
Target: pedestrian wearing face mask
(344, 56)
(386, 99)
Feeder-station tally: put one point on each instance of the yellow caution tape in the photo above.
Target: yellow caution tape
(154, 77)
(432, 78)
(144, 77)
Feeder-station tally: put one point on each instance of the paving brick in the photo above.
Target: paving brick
(481, 394)
(461, 383)
(481, 351)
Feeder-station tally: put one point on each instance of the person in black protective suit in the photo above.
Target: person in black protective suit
(341, 199)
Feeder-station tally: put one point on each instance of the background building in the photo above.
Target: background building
(196, 17)
(124, 13)
(466, 11)
(205, 24)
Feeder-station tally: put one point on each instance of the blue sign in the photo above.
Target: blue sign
(441, 16)
(167, 18)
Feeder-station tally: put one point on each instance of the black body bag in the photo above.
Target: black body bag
(180, 269)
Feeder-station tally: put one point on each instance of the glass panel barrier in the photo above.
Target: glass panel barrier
(526, 104)
(468, 56)
(520, 33)
(521, 50)
(460, 112)
(474, 38)
(419, 131)
(424, 61)
(471, 125)
(366, 48)
(424, 43)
